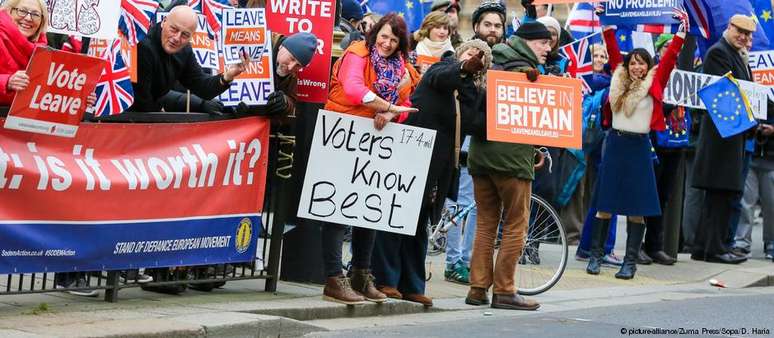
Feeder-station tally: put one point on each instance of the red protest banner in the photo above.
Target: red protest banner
(112, 171)
(55, 99)
(292, 16)
(546, 112)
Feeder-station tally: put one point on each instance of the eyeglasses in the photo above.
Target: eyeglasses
(22, 13)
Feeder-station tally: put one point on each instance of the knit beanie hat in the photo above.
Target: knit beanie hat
(662, 40)
(550, 22)
(351, 10)
(533, 31)
(302, 45)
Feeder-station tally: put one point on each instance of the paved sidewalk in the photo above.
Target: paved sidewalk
(242, 309)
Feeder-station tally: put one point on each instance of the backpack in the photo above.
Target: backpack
(678, 130)
(592, 120)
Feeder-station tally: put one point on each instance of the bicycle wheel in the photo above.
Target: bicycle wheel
(544, 257)
(436, 239)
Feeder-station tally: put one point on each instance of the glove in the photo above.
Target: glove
(682, 16)
(474, 64)
(532, 74)
(212, 107)
(277, 103)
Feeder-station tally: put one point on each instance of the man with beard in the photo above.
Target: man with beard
(489, 22)
(488, 26)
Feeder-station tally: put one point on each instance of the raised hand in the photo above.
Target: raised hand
(681, 15)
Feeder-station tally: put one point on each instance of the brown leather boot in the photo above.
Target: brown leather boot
(363, 283)
(513, 302)
(419, 298)
(337, 289)
(391, 292)
(477, 296)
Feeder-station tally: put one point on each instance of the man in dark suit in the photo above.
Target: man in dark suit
(719, 161)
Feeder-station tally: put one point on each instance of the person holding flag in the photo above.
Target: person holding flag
(627, 183)
(719, 161)
(165, 57)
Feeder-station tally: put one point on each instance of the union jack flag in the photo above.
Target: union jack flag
(136, 18)
(581, 60)
(582, 20)
(213, 14)
(699, 13)
(114, 89)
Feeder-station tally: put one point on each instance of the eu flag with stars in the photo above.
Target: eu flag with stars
(413, 11)
(624, 37)
(765, 17)
(728, 106)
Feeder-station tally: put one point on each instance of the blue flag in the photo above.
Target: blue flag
(728, 106)
(765, 17)
(624, 37)
(715, 14)
(413, 11)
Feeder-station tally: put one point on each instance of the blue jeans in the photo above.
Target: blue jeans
(459, 245)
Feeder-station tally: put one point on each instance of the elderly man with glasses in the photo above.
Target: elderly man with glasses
(719, 163)
(165, 57)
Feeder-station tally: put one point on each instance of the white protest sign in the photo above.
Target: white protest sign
(203, 47)
(683, 87)
(366, 178)
(244, 30)
(87, 18)
(255, 84)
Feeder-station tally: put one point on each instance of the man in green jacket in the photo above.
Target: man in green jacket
(502, 180)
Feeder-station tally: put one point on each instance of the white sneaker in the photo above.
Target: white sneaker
(81, 283)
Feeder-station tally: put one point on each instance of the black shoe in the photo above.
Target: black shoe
(634, 234)
(643, 258)
(726, 258)
(594, 265)
(661, 257)
(599, 233)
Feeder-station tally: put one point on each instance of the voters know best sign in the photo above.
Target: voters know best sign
(55, 99)
(364, 177)
(630, 12)
(546, 112)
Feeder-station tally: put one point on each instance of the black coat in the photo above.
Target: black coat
(718, 163)
(157, 73)
(434, 97)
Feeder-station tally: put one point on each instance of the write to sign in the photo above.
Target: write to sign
(683, 88)
(255, 84)
(203, 47)
(88, 18)
(55, 99)
(366, 178)
(630, 12)
(244, 31)
(546, 112)
(288, 17)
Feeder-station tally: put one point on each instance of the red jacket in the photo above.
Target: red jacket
(15, 53)
(665, 67)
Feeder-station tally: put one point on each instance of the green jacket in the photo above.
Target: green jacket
(502, 158)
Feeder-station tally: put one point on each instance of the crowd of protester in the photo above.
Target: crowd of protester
(627, 172)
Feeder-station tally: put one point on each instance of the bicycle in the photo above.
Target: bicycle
(544, 257)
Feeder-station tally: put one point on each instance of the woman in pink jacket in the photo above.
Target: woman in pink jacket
(22, 27)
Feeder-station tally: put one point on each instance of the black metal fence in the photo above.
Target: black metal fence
(265, 266)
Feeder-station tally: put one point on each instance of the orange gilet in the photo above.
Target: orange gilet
(337, 99)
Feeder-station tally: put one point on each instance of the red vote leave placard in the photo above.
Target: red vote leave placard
(55, 99)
